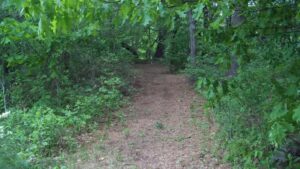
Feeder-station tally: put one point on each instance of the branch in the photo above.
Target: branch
(129, 48)
(111, 2)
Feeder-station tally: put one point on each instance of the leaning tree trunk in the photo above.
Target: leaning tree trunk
(192, 29)
(131, 49)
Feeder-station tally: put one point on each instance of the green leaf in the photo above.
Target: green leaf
(217, 23)
(54, 25)
(147, 19)
(198, 11)
(279, 131)
(296, 115)
(124, 11)
(278, 111)
(181, 14)
(5, 41)
(292, 90)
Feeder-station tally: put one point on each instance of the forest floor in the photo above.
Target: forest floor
(163, 128)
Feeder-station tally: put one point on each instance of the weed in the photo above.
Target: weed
(141, 133)
(180, 138)
(159, 125)
(126, 132)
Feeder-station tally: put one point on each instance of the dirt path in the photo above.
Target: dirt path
(159, 132)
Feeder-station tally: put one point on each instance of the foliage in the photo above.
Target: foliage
(177, 49)
(61, 75)
(42, 131)
(66, 64)
(255, 104)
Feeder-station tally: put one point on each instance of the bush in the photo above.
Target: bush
(257, 109)
(35, 133)
(44, 132)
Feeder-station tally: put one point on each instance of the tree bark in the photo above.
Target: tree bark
(235, 20)
(5, 85)
(233, 67)
(192, 29)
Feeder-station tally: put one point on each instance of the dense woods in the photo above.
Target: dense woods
(66, 65)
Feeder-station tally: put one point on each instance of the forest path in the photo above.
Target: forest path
(160, 131)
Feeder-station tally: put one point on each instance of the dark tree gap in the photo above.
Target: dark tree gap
(160, 48)
(206, 17)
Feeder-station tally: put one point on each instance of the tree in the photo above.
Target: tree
(192, 29)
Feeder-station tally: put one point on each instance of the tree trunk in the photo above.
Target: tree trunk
(5, 85)
(235, 20)
(192, 29)
(233, 67)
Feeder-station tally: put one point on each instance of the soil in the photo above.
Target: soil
(159, 132)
